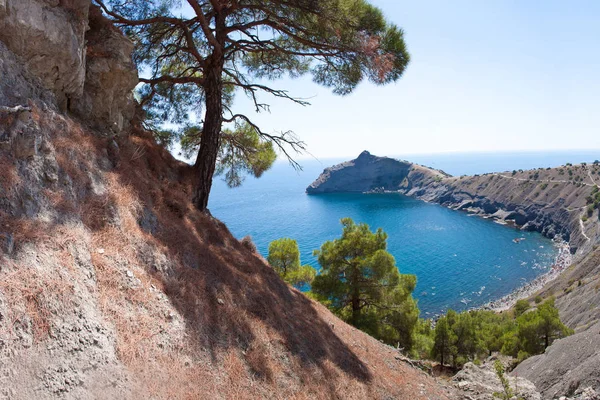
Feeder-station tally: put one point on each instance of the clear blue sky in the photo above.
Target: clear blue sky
(485, 76)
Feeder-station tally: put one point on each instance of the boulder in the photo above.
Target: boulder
(481, 382)
(107, 99)
(49, 36)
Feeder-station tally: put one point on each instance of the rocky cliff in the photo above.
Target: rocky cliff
(73, 54)
(369, 173)
(542, 200)
(112, 285)
(553, 201)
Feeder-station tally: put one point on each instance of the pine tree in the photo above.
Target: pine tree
(444, 340)
(360, 282)
(200, 60)
(284, 258)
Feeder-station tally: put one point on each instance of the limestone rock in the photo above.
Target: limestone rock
(49, 37)
(482, 382)
(7, 243)
(107, 99)
(17, 86)
(569, 364)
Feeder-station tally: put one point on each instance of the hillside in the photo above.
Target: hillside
(553, 201)
(111, 284)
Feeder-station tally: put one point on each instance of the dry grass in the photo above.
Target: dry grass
(33, 295)
(218, 322)
(8, 175)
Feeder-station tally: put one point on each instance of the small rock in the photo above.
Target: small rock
(113, 152)
(129, 274)
(220, 301)
(7, 243)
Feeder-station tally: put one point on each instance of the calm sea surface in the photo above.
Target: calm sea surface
(460, 261)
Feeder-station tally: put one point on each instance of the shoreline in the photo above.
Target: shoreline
(563, 260)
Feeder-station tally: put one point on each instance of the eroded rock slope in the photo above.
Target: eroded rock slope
(111, 284)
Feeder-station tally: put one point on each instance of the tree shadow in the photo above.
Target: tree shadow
(228, 296)
(224, 291)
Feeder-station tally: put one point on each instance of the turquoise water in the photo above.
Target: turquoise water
(460, 261)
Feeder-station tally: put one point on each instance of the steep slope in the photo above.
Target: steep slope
(111, 284)
(571, 363)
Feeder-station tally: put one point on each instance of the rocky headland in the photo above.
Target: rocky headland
(539, 200)
(552, 201)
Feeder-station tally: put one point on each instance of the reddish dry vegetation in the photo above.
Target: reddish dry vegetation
(206, 317)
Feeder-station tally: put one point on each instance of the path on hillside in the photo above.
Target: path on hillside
(542, 181)
(592, 179)
(581, 225)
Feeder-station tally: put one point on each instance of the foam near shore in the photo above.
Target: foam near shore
(562, 262)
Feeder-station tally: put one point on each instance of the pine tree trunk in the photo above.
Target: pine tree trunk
(211, 131)
(355, 296)
(355, 309)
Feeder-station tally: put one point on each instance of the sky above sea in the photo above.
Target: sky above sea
(484, 76)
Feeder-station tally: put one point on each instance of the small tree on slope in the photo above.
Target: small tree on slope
(359, 281)
(284, 258)
(228, 45)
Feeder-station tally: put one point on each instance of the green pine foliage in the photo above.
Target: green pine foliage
(198, 61)
(459, 338)
(284, 258)
(360, 282)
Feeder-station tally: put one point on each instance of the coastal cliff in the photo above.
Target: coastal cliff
(369, 173)
(558, 202)
(540, 200)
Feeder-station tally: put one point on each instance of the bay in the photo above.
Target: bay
(460, 261)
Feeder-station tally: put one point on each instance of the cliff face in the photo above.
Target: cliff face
(73, 54)
(49, 36)
(112, 285)
(369, 173)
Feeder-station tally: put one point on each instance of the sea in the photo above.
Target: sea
(461, 261)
